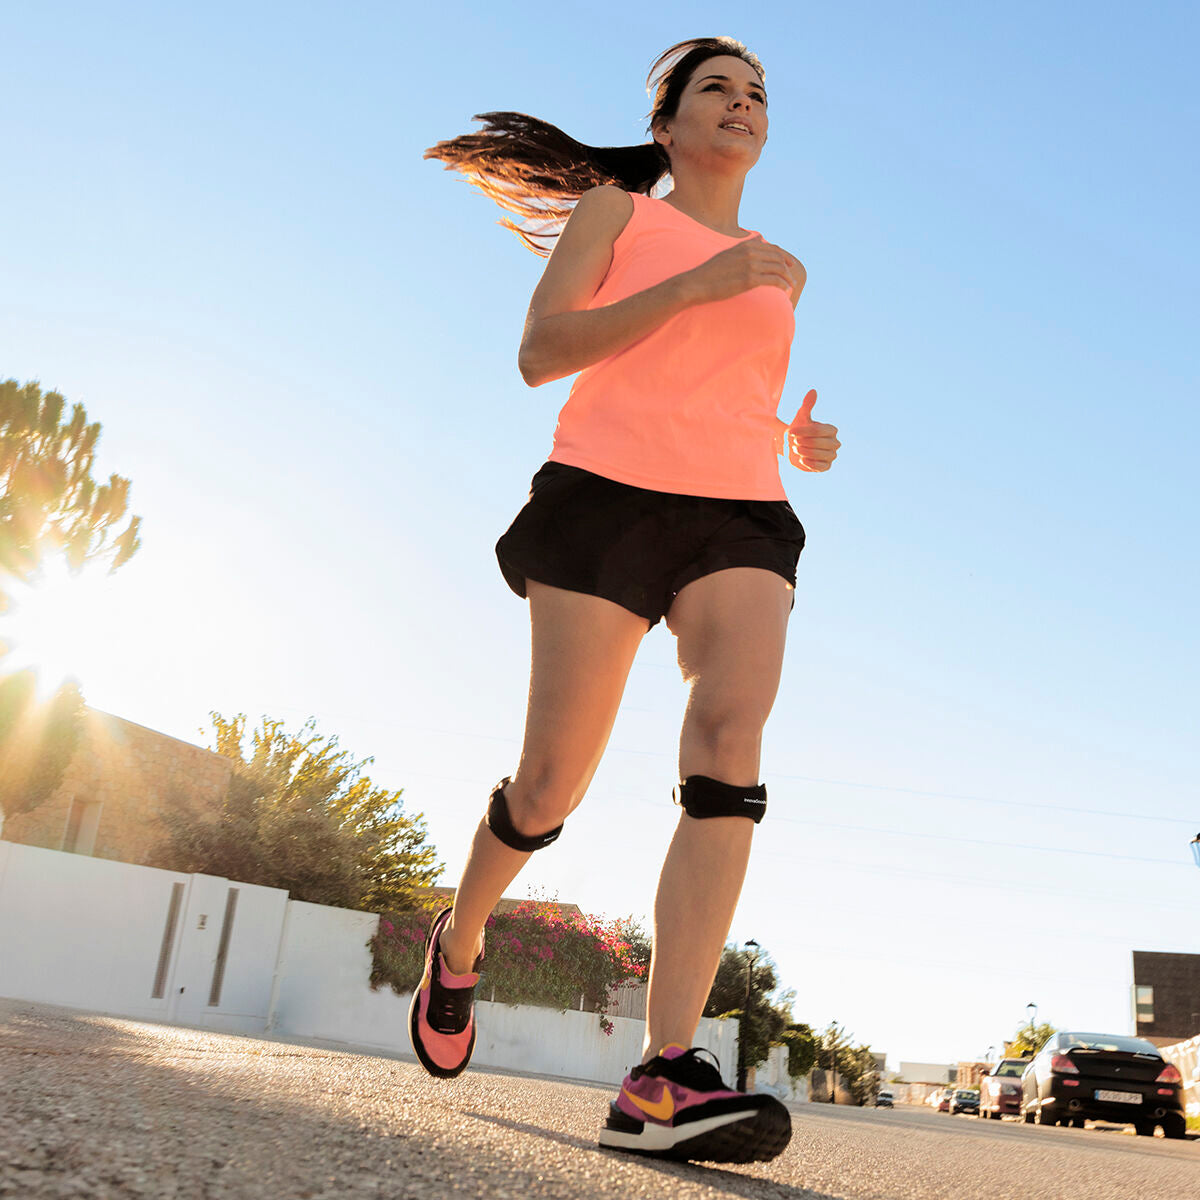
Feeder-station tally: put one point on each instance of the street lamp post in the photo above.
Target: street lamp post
(1196, 849)
(743, 1033)
(1032, 1023)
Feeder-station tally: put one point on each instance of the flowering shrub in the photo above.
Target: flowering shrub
(537, 954)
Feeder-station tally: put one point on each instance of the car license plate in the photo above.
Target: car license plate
(1120, 1097)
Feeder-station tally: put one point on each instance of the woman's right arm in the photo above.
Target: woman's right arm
(562, 335)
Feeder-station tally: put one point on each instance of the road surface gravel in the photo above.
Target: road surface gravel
(95, 1107)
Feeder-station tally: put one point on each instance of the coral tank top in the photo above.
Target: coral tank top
(691, 407)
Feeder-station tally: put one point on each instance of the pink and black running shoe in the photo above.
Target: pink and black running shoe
(677, 1106)
(441, 1020)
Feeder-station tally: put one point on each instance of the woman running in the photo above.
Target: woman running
(661, 499)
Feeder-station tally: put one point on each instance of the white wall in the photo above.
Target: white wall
(772, 1076)
(81, 931)
(88, 933)
(1186, 1056)
(321, 991)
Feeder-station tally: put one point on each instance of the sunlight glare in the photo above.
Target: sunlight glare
(52, 625)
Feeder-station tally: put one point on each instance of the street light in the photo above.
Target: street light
(1196, 849)
(751, 962)
(1032, 1023)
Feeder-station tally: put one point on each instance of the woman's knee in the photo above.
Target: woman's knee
(539, 801)
(729, 740)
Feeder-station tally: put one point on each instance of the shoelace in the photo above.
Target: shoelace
(689, 1069)
(449, 1008)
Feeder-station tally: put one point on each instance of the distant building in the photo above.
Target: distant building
(1166, 996)
(969, 1074)
(914, 1072)
(119, 777)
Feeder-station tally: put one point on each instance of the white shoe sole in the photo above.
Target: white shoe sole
(654, 1138)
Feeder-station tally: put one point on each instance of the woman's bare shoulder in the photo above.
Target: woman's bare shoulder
(605, 210)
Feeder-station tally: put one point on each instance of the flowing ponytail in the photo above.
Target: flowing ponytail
(537, 172)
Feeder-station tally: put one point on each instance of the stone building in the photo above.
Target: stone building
(119, 777)
(969, 1074)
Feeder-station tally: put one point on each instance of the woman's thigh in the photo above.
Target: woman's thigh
(731, 628)
(583, 648)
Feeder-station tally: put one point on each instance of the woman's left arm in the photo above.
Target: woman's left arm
(811, 445)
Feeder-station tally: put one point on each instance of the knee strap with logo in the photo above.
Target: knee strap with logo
(500, 823)
(702, 797)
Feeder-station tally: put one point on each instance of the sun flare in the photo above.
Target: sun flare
(51, 625)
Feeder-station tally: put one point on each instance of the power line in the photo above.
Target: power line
(989, 842)
(958, 797)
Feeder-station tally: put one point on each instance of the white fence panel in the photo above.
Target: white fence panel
(84, 932)
(136, 941)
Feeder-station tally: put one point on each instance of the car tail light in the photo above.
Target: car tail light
(1060, 1064)
(1169, 1074)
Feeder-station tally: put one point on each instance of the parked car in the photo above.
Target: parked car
(1108, 1077)
(1000, 1089)
(885, 1099)
(964, 1100)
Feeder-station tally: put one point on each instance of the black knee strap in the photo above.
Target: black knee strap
(702, 797)
(500, 823)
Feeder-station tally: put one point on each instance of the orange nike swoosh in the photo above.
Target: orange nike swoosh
(660, 1110)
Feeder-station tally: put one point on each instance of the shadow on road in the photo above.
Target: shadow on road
(733, 1183)
(100, 1106)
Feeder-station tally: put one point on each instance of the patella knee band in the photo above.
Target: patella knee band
(500, 823)
(700, 797)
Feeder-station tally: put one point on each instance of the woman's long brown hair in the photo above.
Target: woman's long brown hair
(537, 172)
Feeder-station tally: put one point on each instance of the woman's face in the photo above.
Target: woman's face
(722, 113)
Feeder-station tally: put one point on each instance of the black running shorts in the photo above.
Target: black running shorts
(636, 547)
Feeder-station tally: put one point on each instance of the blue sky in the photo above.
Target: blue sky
(300, 338)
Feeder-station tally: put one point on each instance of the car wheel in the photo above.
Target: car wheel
(1144, 1128)
(1079, 1122)
(1029, 1115)
(1045, 1117)
(1175, 1126)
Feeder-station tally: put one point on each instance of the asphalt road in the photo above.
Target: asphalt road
(94, 1107)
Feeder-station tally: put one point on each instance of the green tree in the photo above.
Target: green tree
(831, 1048)
(49, 501)
(802, 1044)
(1028, 1040)
(729, 987)
(300, 814)
(860, 1073)
(763, 1026)
(49, 504)
(37, 741)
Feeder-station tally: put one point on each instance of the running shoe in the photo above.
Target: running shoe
(441, 1020)
(677, 1106)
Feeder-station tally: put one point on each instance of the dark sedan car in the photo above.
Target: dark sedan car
(1108, 1077)
(965, 1100)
